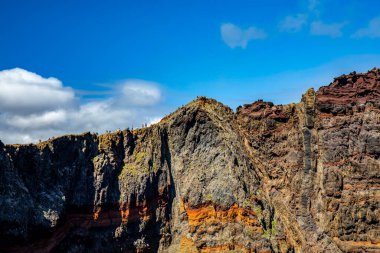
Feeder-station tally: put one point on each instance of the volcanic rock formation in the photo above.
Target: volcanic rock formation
(301, 177)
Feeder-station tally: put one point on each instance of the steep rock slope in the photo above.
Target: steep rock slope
(269, 178)
(319, 161)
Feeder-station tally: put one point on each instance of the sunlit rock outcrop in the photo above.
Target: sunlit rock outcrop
(301, 177)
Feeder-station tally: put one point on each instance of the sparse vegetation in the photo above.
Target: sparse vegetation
(133, 170)
(273, 229)
(266, 234)
(140, 156)
(270, 232)
(248, 203)
(258, 211)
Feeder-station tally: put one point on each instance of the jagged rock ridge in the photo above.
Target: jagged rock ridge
(269, 178)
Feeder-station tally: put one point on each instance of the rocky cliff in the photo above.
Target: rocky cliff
(301, 177)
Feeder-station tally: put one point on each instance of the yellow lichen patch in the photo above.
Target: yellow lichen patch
(106, 140)
(133, 170)
(140, 156)
(209, 215)
(129, 168)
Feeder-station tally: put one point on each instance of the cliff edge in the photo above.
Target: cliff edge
(302, 177)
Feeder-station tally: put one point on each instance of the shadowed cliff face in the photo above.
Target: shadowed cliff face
(269, 178)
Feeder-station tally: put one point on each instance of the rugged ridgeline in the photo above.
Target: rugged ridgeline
(269, 178)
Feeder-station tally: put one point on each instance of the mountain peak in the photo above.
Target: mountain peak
(268, 178)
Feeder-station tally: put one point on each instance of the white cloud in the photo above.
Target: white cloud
(141, 92)
(235, 36)
(333, 30)
(24, 92)
(293, 23)
(154, 120)
(104, 115)
(371, 31)
(33, 107)
(33, 121)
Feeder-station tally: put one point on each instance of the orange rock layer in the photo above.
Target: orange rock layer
(122, 216)
(188, 246)
(209, 214)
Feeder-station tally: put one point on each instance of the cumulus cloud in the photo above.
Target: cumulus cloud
(35, 121)
(333, 30)
(141, 92)
(33, 107)
(371, 31)
(24, 92)
(234, 36)
(293, 23)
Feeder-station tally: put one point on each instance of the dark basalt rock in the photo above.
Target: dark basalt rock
(269, 178)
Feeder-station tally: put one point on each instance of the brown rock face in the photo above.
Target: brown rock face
(349, 90)
(269, 178)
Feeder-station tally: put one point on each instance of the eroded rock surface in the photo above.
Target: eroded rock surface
(269, 178)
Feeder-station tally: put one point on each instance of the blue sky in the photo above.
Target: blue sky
(171, 51)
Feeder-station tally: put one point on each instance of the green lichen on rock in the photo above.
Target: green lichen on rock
(132, 170)
(271, 231)
(140, 156)
(273, 227)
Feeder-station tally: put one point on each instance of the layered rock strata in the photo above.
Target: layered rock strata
(301, 177)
